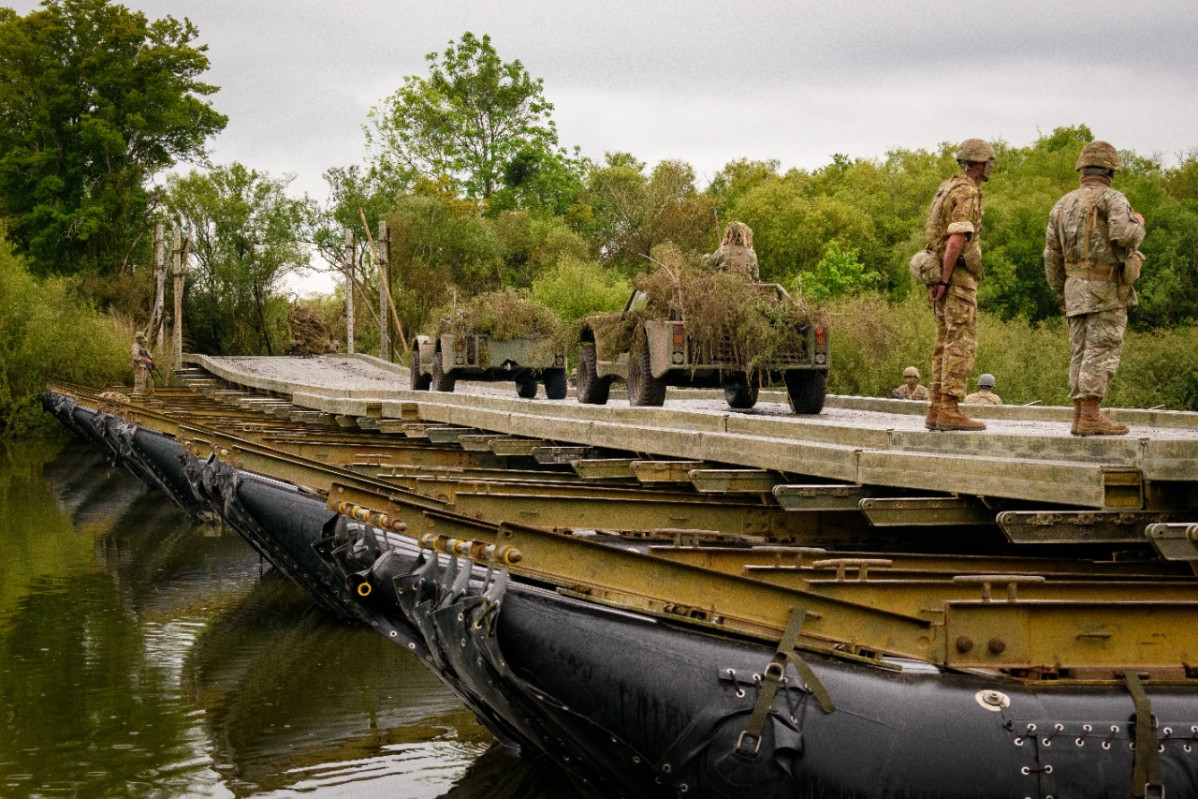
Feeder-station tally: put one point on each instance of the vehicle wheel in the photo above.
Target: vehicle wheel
(741, 392)
(643, 387)
(805, 389)
(555, 383)
(420, 382)
(441, 381)
(589, 387)
(526, 385)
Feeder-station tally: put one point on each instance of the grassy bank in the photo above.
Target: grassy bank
(47, 333)
(873, 341)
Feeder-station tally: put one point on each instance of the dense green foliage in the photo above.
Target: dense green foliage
(247, 234)
(46, 334)
(95, 101)
(477, 122)
(874, 340)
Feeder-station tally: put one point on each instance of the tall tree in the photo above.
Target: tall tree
(473, 118)
(94, 101)
(247, 235)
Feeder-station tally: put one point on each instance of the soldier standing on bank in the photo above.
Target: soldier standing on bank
(910, 389)
(143, 383)
(985, 394)
(953, 231)
(736, 253)
(1090, 261)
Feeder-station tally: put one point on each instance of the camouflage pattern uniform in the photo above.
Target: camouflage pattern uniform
(957, 208)
(143, 383)
(906, 392)
(983, 396)
(1083, 272)
(736, 253)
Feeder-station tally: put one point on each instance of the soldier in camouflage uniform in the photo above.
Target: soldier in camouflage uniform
(1091, 232)
(985, 394)
(143, 382)
(736, 253)
(910, 389)
(953, 231)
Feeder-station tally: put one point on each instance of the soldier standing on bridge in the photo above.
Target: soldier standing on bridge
(736, 253)
(143, 383)
(1091, 261)
(953, 231)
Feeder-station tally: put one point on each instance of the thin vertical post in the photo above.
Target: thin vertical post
(179, 264)
(157, 330)
(385, 278)
(349, 290)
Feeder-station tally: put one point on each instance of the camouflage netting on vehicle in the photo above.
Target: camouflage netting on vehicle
(726, 315)
(502, 315)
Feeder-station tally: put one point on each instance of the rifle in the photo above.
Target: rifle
(151, 367)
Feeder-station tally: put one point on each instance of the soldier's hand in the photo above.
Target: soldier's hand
(936, 291)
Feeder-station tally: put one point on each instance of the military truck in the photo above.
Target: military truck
(438, 362)
(650, 349)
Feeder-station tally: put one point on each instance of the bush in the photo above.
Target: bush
(873, 340)
(573, 288)
(45, 335)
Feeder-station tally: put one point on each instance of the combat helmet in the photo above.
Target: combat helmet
(1101, 154)
(911, 371)
(975, 150)
(139, 336)
(986, 381)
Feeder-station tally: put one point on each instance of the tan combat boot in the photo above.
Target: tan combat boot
(1077, 412)
(952, 419)
(933, 420)
(1092, 423)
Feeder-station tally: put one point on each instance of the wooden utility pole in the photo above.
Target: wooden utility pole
(349, 291)
(384, 286)
(384, 289)
(157, 331)
(180, 252)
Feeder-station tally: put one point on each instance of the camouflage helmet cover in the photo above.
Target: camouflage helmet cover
(911, 371)
(139, 336)
(986, 381)
(975, 150)
(1101, 154)
(738, 234)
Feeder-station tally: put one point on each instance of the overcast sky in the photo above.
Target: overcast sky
(708, 82)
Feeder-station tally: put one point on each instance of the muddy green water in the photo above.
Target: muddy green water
(146, 655)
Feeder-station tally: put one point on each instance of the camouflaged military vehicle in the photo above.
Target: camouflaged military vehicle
(494, 337)
(440, 362)
(651, 345)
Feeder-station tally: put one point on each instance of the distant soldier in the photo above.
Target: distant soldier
(910, 389)
(953, 231)
(736, 253)
(985, 394)
(143, 382)
(1090, 261)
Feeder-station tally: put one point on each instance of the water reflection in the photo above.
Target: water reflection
(143, 654)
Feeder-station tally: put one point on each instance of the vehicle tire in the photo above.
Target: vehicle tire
(805, 389)
(741, 392)
(643, 387)
(441, 381)
(589, 387)
(526, 385)
(555, 383)
(420, 382)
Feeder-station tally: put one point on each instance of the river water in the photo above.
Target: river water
(144, 654)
